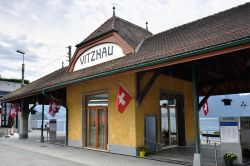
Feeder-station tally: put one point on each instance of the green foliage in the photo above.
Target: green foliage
(142, 148)
(14, 80)
(245, 147)
(217, 133)
(230, 156)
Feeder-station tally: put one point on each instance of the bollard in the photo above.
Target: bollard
(215, 154)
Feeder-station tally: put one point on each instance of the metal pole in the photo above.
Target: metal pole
(215, 155)
(22, 52)
(42, 137)
(196, 125)
(22, 73)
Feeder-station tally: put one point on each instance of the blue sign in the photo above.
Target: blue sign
(228, 123)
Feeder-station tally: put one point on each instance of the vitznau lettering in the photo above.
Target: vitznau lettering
(97, 54)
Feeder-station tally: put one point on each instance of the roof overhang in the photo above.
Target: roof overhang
(203, 53)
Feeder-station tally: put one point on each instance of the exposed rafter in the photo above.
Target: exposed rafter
(142, 93)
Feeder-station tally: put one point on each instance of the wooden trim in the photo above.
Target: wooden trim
(106, 127)
(96, 128)
(109, 38)
(88, 114)
(193, 58)
(145, 90)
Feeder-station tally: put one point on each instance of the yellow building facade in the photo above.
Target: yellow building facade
(126, 131)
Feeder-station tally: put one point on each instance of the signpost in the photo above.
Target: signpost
(230, 139)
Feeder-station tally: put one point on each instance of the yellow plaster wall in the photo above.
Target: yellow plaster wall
(121, 125)
(128, 128)
(151, 105)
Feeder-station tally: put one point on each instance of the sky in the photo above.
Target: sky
(44, 28)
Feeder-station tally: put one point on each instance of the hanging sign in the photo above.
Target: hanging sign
(98, 54)
(229, 130)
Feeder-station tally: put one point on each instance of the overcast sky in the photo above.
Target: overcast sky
(44, 28)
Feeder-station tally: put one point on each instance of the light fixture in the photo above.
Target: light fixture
(227, 101)
(243, 105)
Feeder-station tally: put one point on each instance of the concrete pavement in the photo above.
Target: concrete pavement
(10, 156)
(30, 151)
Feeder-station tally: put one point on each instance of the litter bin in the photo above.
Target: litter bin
(52, 129)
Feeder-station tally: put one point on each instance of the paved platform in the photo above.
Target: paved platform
(171, 156)
(32, 148)
(185, 154)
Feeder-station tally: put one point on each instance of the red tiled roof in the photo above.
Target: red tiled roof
(130, 32)
(224, 27)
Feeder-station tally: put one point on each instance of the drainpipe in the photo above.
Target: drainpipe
(49, 97)
(197, 156)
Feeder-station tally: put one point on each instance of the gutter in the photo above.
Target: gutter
(146, 64)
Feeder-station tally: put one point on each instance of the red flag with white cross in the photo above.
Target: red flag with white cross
(123, 99)
(14, 109)
(205, 108)
(53, 107)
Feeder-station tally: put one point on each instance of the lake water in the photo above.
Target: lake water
(209, 125)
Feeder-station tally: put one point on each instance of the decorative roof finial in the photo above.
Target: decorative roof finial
(113, 11)
(146, 25)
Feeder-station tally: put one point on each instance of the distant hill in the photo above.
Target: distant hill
(218, 109)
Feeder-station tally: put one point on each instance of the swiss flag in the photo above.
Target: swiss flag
(14, 109)
(53, 107)
(205, 108)
(123, 99)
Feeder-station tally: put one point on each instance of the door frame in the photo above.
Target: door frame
(180, 115)
(169, 124)
(96, 108)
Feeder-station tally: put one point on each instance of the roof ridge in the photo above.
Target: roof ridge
(144, 29)
(198, 20)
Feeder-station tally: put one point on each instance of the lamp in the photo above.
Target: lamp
(22, 52)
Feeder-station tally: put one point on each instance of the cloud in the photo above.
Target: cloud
(44, 28)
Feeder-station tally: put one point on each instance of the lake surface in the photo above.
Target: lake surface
(209, 125)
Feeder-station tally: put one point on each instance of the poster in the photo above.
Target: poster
(229, 130)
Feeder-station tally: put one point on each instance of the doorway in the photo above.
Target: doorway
(97, 121)
(169, 126)
(172, 120)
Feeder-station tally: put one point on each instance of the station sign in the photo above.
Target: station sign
(98, 54)
(229, 130)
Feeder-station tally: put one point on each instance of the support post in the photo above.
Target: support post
(197, 156)
(67, 119)
(23, 133)
(42, 137)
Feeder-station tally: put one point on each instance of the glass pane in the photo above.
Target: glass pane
(101, 128)
(92, 127)
(164, 126)
(97, 100)
(173, 126)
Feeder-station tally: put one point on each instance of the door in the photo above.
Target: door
(97, 127)
(150, 133)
